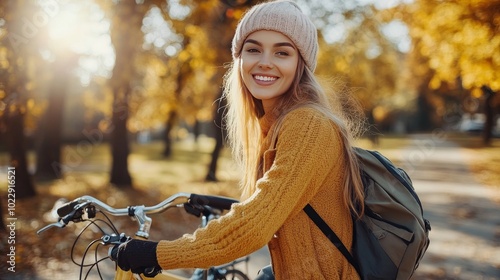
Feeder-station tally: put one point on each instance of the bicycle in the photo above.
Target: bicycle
(86, 208)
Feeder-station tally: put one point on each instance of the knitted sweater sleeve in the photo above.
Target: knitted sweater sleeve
(306, 145)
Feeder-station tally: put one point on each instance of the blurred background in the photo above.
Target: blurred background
(120, 98)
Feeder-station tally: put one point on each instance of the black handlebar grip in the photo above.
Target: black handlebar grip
(66, 208)
(219, 202)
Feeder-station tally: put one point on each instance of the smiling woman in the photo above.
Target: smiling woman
(80, 27)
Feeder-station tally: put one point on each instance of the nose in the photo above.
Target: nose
(265, 62)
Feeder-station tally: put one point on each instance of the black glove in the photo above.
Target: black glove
(138, 256)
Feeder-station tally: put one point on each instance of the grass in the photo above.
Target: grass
(485, 163)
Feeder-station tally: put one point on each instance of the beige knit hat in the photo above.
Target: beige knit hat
(283, 16)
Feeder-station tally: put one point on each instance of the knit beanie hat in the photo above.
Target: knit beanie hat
(283, 16)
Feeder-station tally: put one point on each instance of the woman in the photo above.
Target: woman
(294, 150)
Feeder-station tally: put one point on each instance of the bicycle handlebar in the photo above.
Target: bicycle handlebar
(84, 207)
(66, 212)
(171, 201)
(219, 202)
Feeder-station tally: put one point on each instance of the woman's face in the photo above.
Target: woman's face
(268, 65)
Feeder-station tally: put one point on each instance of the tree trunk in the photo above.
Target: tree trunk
(24, 186)
(424, 122)
(212, 167)
(219, 139)
(2, 223)
(196, 130)
(120, 150)
(170, 123)
(50, 131)
(13, 81)
(173, 114)
(126, 36)
(489, 112)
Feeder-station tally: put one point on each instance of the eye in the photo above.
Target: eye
(251, 50)
(282, 53)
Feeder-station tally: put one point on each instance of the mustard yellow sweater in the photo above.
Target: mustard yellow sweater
(304, 168)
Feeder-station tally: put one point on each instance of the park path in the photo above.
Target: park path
(464, 214)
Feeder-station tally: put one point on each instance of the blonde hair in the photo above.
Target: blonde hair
(245, 138)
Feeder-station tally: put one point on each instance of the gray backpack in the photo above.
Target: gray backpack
(392, 236)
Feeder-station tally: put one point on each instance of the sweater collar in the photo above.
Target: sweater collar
(267, 121)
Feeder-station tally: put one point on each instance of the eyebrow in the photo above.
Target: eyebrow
(282, 44)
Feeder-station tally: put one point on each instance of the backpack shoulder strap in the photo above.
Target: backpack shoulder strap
(330, 234)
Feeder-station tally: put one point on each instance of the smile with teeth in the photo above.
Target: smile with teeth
(265, 78)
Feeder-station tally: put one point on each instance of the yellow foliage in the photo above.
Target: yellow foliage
(4, 62)
(435, 83)
(30, 103)
(341, 65)
(373, 75)
(184, 55)
(459, 38)
(476, 93)
(380, 113)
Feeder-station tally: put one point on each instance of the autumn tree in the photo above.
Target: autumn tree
(189, 67)
(189, 62)
(145, 85)
(223, 17)
(16, 56)
(49, 161)
(365, 60)
(207, 32)
(126, 37)
(459, 41)
(356, 54)
(216, 20)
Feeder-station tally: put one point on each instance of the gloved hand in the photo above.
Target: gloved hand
(137, 255)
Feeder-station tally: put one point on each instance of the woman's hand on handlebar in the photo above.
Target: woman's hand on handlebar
(138, 256)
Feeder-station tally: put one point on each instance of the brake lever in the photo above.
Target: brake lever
(74, 216)
(59, 224)
(64, 221)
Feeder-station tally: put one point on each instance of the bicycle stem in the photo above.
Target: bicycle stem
(144, 221)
